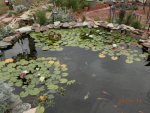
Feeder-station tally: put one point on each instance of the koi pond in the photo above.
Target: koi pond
(79, 71)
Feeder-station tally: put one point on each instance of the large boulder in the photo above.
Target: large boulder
(24, 29)
(4, 45)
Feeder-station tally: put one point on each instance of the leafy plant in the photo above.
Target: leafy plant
(94, 39)
(20, 8)
(40, 17)
(10, 102)
(121, 16)
(61, 14)
(71, 4)
(41, 78)
(136, 24)
(5, 31)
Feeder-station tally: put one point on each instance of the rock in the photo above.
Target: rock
(145, 35)
(85, 23)
(10, 39)
(146, 44)
(43, 28)
(96, 23)
(57, 23)
(34, 26)
(65, 25)
(4, 45)
(24, 29)
(72, 24)
(31, 111)
(110, 25)
(50, 26)
(79, 24)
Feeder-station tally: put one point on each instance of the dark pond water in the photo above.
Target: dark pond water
(103, 85)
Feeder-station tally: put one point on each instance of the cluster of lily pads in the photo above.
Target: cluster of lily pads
(40, 78)
(112, 44)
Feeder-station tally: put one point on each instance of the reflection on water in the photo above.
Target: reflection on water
(103, 82)
(23, 49)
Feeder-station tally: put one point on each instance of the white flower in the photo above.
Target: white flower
(97, 30)
(42, 79)
(91, 36)
(37, 69)
(25, 71)
(87, 34)
(114, 45)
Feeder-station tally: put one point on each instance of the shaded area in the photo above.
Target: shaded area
(103, 85)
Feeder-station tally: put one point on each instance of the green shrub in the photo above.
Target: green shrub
(122, 14)
(40, 17)
(136, 24)
(129, 19)
(5, 31)
(62, 15)
(71, 4)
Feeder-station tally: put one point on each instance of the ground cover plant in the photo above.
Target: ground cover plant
(41, 78)
(111, 44)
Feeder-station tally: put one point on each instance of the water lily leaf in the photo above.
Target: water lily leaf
(63, 80)
(40, 109)
(52, 87)
(114, 58)
(129, 61)
(65, 74)
(45, 48)
(102, 55)
(23, 94)
(34, 91)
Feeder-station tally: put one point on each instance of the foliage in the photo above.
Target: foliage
(62, 15)
(94, 39)
(20, 8)
(40, 17)
(71, 4)
(9, 101)
(121, 16)
(42, 78)
(5, 31)
(136, 24)
(128, 19)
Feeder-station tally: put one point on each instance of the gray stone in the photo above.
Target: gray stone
(146, 44)
(24, 29)
(34, 26)
(10, 39)
(50, 26)
(85, 23)
(44, 28)
(79, 24)
(72, 24)
(4, 45)
(110, 25)
(65, 25)
(57, 23)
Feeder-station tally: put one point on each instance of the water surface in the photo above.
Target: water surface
(102, 85)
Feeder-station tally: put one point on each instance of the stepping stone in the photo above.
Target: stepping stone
(4, 45)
